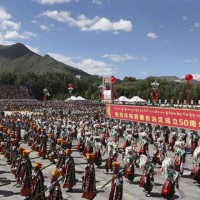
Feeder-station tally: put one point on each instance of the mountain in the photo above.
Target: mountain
(175, 79)
(17, 58)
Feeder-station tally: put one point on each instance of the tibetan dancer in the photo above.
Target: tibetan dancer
(116, 192)
(89, 179)
(70, 179)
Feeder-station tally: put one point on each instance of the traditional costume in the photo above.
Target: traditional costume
(112, 155)
(25, 174)
(16, 164)
(143, 144)
(160, 153)
(116, 192)
(195, 174)
(81, 144)
(130, 158)
(97, 151)
(61, 159)
(54, 188)
(43, 144)
(180, 154)
(194, 141)
(13, 151)
(70, 179)
(147, 176)
(89, 179)
(168, 189)
(173, 138)
(52, 148)
(128, 137)
(37, 183)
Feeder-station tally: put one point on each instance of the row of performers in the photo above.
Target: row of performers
(22, 171)
(32, 183)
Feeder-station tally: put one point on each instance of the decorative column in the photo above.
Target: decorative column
(70, 88)
(188, 78)
(154, 94)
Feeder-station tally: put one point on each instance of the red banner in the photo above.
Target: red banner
(183, 118)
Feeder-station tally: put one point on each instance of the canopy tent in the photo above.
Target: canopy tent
(137, 99)
(122, 99)
(72, 98)
(80, 98)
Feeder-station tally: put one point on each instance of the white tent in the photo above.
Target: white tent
(122, 99)
(80, 98)
(72, 98)
(137, 99)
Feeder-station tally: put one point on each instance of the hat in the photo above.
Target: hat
(26, 152)
(12, 135)
(21, 149)
(89, 156)
(55, 173)
(14, 140)
(63, 142)
(59, 140)
(4, 129)
(116, 164)
(37, 165)
(68, 152)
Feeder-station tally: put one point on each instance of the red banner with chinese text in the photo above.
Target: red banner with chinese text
(183, 118)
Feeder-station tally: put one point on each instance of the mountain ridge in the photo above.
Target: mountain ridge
(17, 58)
(174, 79)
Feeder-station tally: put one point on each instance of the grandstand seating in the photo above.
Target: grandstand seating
(15, 92)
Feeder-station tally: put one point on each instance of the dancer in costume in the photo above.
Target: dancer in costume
(89, 179)
(116, 192)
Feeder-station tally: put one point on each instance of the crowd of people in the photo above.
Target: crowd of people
(53, 132)
(14, 92)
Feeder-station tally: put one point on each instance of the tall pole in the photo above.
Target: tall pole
(188, 78)
(188, 93)
(70, 88)
(154, 93)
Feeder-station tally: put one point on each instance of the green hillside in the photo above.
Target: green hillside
(17, 58)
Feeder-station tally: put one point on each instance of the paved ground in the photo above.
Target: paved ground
(188, 191)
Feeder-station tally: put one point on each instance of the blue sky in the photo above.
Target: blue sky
(137, 38)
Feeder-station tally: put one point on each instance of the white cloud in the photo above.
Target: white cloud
(197, 25)
(122, 58)
(16, 35)
(98, 2)
(152, 35)
(87, 24)
(34, 22)
(10, 25)
(44, 28)
(95, 67)
(184, 18)
(118, 58)
(4, 15)
(10, 30)
(196, 77)
(51, 2)
(34, 49)
(144, 73)
(88, 65)
(190, 60)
